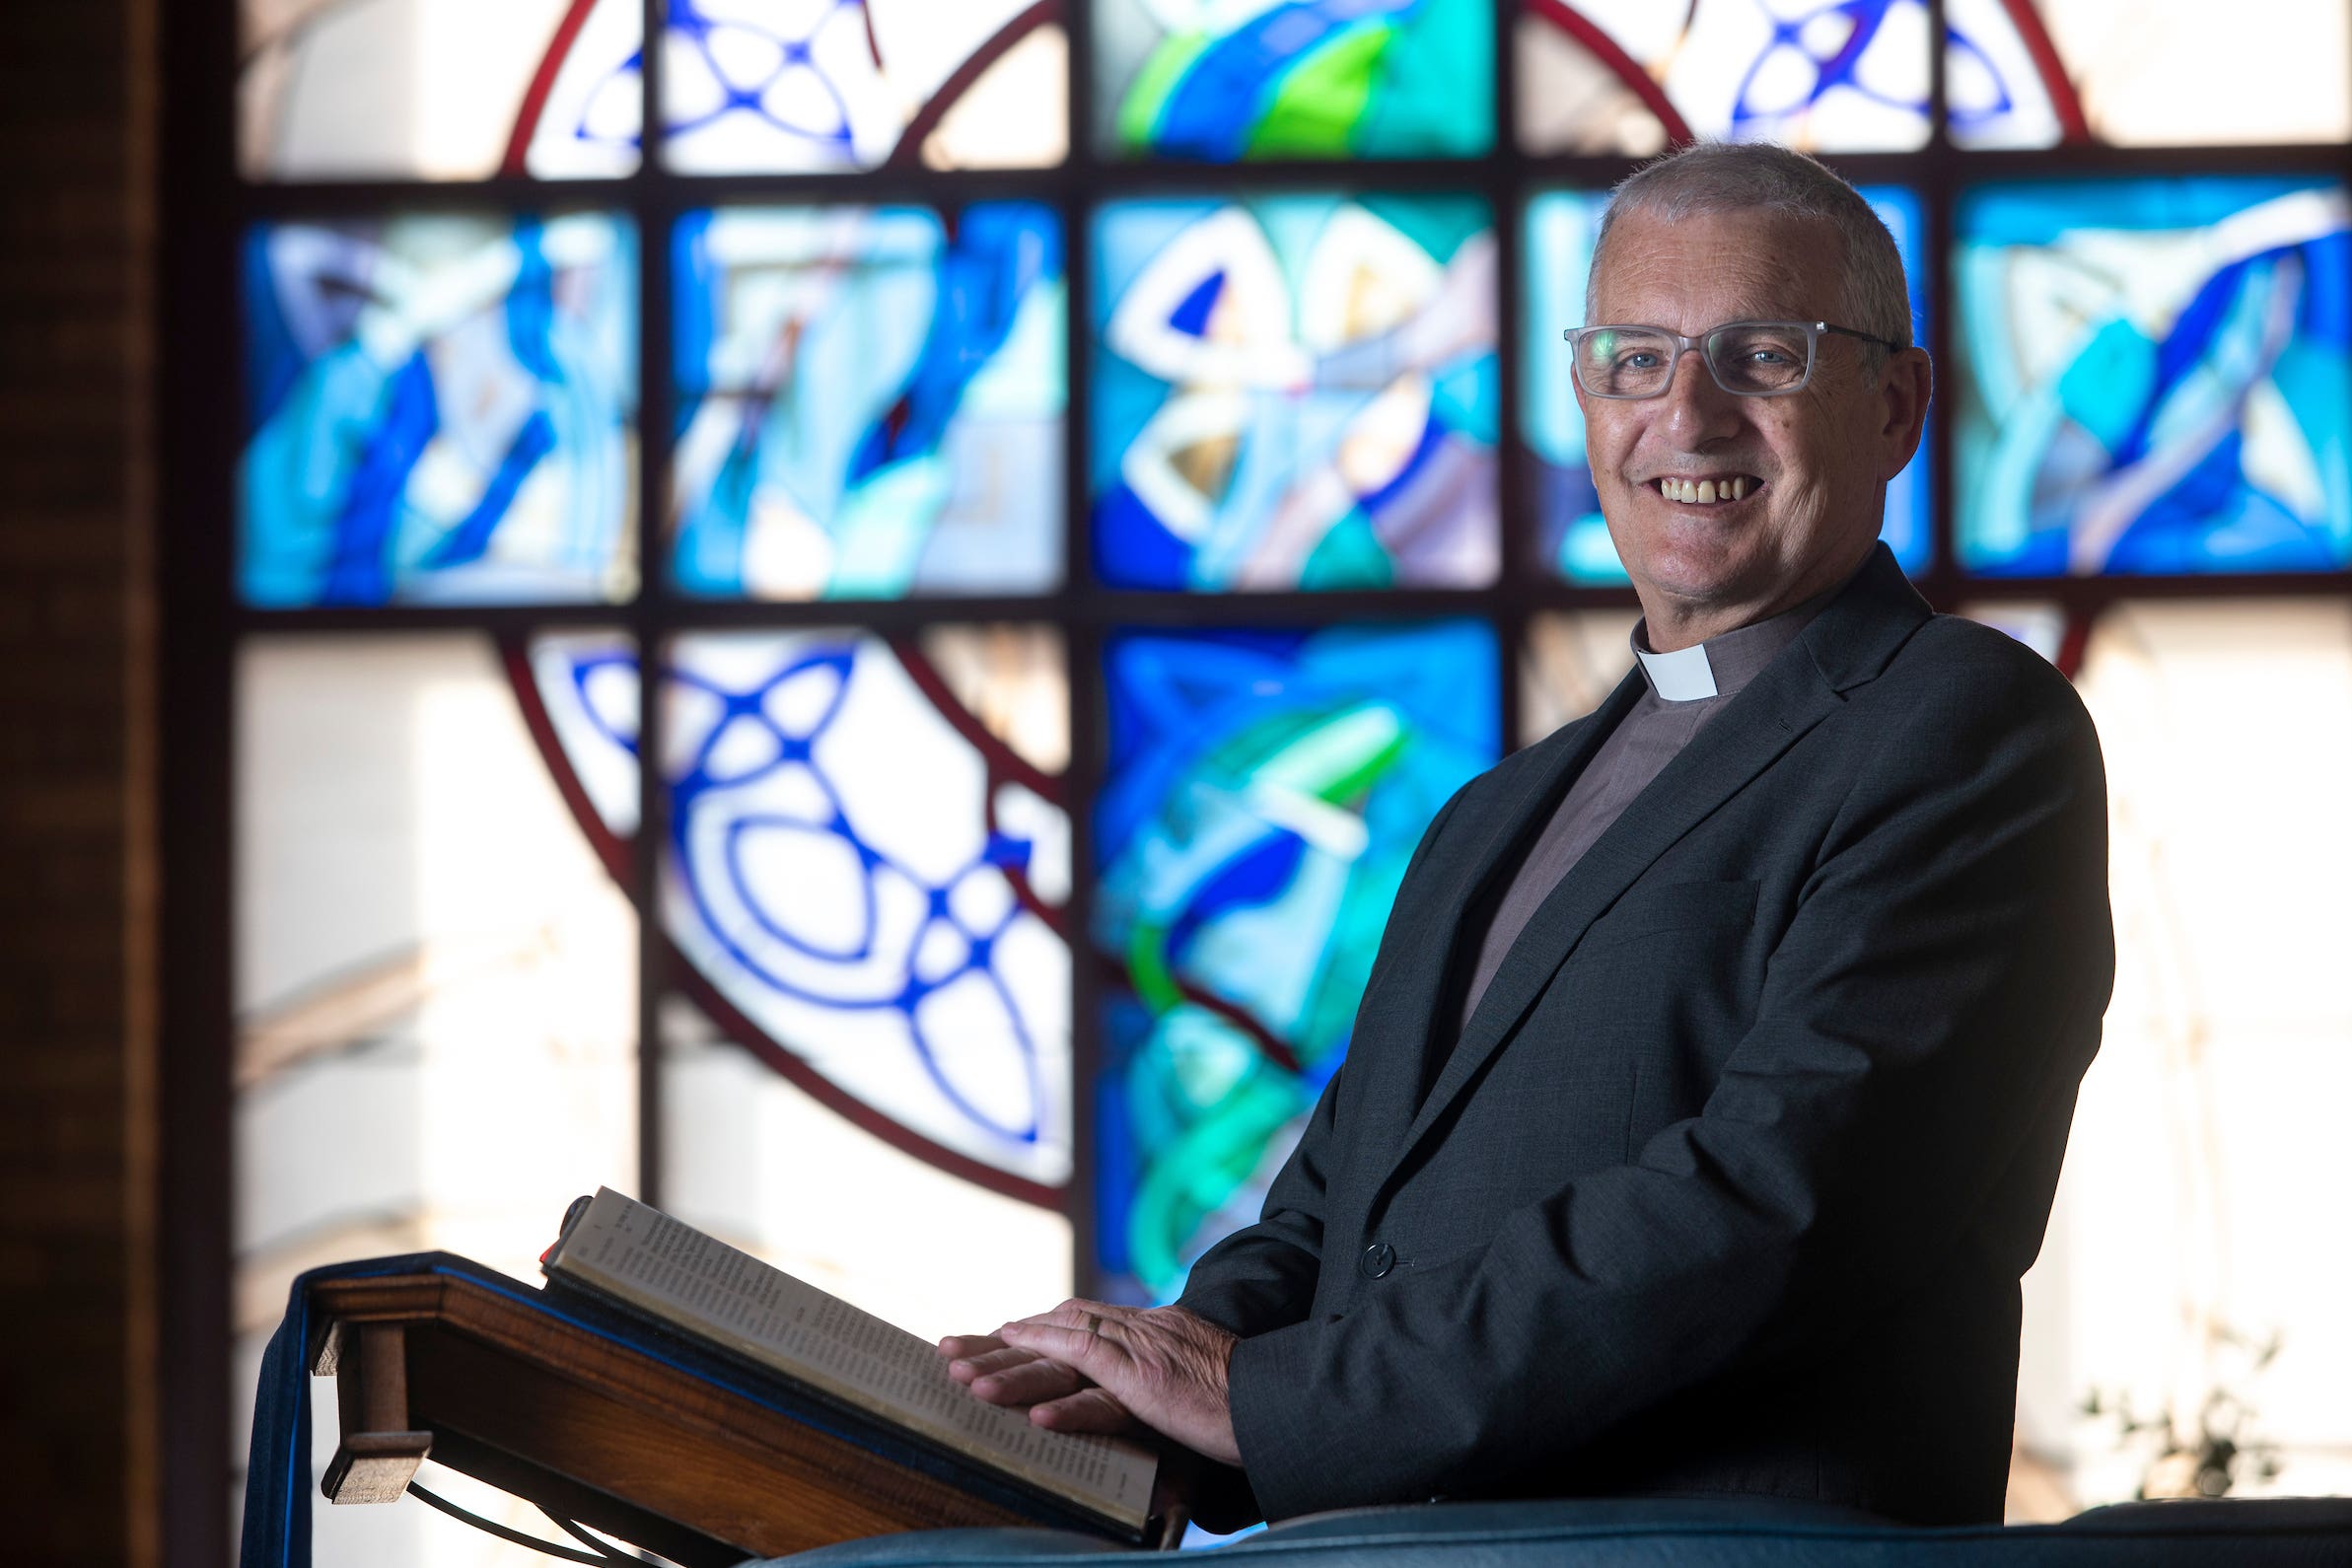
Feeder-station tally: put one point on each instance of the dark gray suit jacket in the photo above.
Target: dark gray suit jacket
(1728, 1183)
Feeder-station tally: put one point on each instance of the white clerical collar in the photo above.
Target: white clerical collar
(1683, 676)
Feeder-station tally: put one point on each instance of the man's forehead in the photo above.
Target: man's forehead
(1744, 263)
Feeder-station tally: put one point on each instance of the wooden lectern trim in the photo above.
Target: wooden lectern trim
(374, 1466)
(381, 1448)
(516, 1392)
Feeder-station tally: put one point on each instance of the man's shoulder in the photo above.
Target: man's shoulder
(1958, 692)
(1952, 660)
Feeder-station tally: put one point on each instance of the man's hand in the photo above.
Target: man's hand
(1088, 1366)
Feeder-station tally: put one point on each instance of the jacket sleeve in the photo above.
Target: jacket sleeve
(1941, 979)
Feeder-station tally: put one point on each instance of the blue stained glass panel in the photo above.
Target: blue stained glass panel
(869, 401)
(1295, 79)
(1264, 794)
(2156, 376)
(1294, 392)
(1571, 537)
(439, 409)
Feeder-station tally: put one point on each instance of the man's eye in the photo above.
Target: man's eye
(1638, 359)
(1768, 356)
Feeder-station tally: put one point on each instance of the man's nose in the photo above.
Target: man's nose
(1696, 409)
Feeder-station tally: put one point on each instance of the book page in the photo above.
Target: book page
(675, 1272)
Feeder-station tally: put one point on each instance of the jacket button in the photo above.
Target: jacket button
(1378, 1260)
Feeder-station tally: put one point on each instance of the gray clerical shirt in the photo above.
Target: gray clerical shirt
(1685, 688)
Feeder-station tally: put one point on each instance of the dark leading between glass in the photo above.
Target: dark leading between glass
(1747, 359)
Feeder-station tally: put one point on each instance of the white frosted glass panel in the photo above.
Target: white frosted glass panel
(438, 89)
(2208, 1156)
(435, 992)
(2148, 73)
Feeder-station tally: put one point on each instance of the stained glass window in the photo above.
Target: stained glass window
(1630, 76)
(439, 409)
(1221, 82)
(823, 86)
(866, 867)
(1263, 793)
(2162, 73)
(870, 400)
(2156, 376)
(1571, 538)
(438, 89)
(871, 852)
(1294, 392)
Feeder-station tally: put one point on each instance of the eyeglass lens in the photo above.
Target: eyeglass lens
(1752, 358)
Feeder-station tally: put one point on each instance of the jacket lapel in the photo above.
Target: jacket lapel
(1849, 642)
(1422, 965)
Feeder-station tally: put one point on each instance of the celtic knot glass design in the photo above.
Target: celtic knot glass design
(1264, 794)
(870, 400)
(792, 86)
(1219, 82)
(2156, 376)
(1294, 392)
(1571, 537)
(439, 409)
(864, 877)
(1630, 76)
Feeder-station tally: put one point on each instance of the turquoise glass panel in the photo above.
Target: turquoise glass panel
(869, 401)
(1264, 794)
(439, 409)
(1571, 538)
(1294, 391)
(1294, 79)
(2154, 376)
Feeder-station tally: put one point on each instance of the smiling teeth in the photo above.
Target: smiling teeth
(1703, 491)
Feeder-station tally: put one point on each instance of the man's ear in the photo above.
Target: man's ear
(1905, 385)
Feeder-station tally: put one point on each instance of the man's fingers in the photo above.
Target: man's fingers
(958, 1345)
(1076, 1346)
(966, 1368)
(1086, 1410)
(1027, 1382)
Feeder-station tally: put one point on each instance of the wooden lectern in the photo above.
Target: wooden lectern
(631, 1431)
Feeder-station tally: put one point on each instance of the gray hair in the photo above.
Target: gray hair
(1714, 177)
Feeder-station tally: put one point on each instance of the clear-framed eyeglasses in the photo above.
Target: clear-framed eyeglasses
(1747, 359)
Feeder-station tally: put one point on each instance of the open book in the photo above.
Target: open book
(620, 1248)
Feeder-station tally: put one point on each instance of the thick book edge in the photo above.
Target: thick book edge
(562, 1269)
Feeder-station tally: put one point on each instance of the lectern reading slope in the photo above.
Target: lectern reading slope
(621, 1250)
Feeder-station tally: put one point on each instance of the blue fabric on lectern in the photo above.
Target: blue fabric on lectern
(277, 1478)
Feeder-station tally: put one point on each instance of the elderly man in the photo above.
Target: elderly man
(1708, 1094)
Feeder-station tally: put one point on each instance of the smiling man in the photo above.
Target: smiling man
(1708, 1094)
